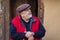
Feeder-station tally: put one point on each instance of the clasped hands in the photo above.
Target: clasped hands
(29, 35)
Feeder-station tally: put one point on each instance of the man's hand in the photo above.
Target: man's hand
(29, 34)
(31, 38)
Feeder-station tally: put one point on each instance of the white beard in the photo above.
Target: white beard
(29, 16)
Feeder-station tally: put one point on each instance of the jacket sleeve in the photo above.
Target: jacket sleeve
(14, 34)
(41, 32)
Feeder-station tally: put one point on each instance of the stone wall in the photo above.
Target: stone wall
(1, 21)
(4, 19)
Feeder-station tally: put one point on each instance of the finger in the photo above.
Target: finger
(31, 38)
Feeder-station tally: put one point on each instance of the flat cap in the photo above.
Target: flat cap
(22, 7)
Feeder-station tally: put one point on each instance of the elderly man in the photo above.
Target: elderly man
(25, 26)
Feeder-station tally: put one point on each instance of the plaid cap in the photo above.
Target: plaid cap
(22, 7)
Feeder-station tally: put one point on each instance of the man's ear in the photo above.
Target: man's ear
(21, 14)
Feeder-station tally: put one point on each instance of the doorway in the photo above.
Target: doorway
(10, 12)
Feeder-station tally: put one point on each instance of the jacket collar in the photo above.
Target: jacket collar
(32, 19)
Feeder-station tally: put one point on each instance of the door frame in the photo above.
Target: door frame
(7, 17)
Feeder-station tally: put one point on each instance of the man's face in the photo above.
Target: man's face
(27, 14)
